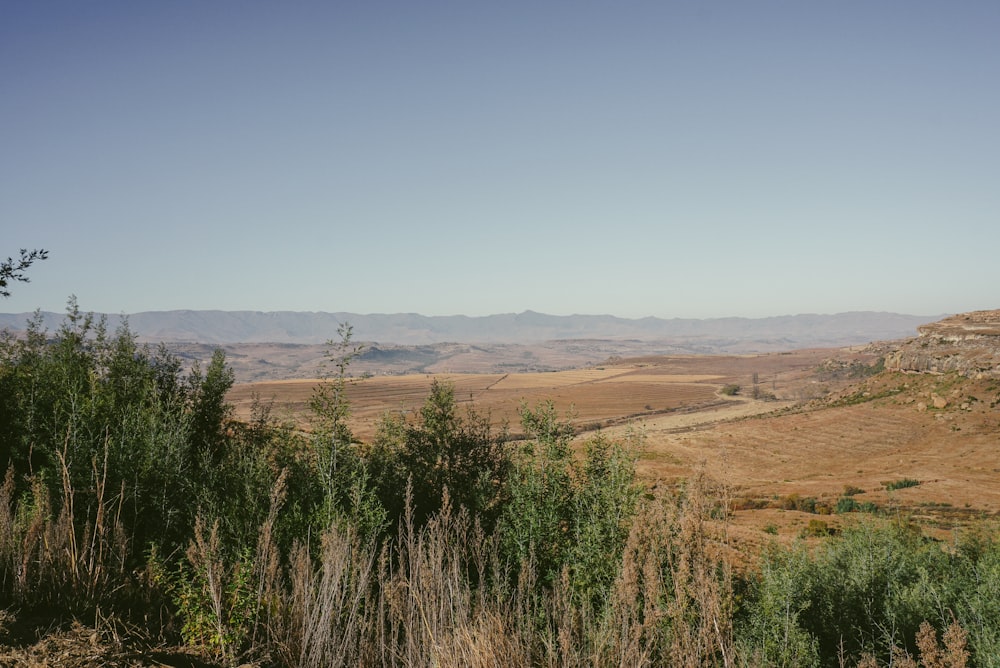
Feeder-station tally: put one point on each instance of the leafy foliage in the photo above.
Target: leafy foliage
(441, 450)
(12, 270)
(564, 513)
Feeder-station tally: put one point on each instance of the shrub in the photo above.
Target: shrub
(565, 513)
(902, 483)
(846, 504)
(779, 594)
(441, 450)
(746, 503)
(804, 504)
(817, 528)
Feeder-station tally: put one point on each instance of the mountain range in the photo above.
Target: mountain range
(296, 327)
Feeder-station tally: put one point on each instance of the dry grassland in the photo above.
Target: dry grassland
(592, 398)
(820, 448)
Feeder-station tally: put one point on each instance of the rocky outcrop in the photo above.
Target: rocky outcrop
(967, 344)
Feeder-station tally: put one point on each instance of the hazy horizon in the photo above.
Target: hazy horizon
(673, 160)
(486, 315)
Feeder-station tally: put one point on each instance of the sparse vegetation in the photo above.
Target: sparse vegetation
(846, 504)
(853, 369)
(730, 390)
(817, 528)
(901, 483)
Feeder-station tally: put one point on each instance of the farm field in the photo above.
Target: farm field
(593, 397)
(817, 431)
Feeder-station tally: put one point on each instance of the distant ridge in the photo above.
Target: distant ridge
(228, 327)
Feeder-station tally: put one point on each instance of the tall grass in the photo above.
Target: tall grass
(72, 558)
(441, 594)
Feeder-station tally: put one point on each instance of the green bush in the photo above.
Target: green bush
(846, 504)
(902, 483)
(566, 513)
(817, 528)
(804, 504)
(441, 450)
(780, 591)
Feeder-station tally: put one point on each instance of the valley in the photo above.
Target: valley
(826, 424)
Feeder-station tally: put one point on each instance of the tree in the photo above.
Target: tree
(209, 411)
(442, 448)
(12, 270)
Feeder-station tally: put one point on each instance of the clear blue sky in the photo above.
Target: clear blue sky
(668, 158)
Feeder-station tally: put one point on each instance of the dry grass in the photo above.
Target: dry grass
(58, 561)
(438, 595)
(817, 450)
(951, 652)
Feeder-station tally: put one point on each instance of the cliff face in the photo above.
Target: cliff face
(968, 343)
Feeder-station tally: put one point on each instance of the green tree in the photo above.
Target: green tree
(567, 512)
(537, 517)
(443, 449)
(210, 412)
(780, 592)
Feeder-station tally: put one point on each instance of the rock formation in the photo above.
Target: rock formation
(967, 343)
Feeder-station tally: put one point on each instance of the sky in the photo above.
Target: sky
(676, 158)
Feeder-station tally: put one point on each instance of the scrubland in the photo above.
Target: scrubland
(628, 515)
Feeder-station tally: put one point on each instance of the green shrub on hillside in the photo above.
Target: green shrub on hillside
(902, 483)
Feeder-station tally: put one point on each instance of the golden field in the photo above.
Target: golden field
(593, 397)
